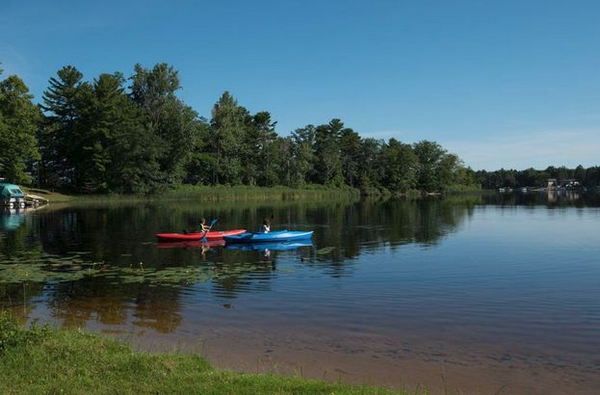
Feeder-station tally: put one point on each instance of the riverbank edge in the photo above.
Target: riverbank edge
(41, 359)
(244, 192)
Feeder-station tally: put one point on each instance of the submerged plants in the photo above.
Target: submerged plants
(43, 268)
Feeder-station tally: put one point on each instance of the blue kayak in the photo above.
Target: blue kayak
(281, 235)
(272, 245)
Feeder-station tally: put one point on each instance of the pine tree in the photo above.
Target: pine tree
(227, 136)
(60, 136)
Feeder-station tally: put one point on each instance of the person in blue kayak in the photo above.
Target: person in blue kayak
(266, 226)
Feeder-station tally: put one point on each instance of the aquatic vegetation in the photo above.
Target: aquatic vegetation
(325, 250)
(27, 267)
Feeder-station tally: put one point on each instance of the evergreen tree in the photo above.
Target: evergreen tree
(302, 147)
(19, 121)
(122, 156)
(328, 164)
(372, 164)
(579, 173)
(350, 144)
(227, 135)
(60, 136)
(258, 150)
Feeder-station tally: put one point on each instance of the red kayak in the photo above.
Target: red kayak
(212, 235)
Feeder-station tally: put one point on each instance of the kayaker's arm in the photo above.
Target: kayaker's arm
(212, 223)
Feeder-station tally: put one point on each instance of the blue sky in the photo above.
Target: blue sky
(507, 84)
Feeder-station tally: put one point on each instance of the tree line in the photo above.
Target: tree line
(135, 135)
(117, 134)
(588, 177)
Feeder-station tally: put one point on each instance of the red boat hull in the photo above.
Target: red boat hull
(212, 235)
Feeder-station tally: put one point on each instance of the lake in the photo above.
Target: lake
(475, 294)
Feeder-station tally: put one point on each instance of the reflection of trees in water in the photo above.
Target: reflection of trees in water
(116, 235)
(101, 300)
(548, 198)
(119, 235)
(234, 275)
(17, 241)
(367, 225)
(17, 298)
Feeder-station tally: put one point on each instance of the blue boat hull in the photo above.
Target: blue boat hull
(279, 236)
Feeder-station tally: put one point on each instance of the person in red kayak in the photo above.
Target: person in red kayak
(204, 228)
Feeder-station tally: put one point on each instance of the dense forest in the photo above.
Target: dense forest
(113, 134)
(135, 135)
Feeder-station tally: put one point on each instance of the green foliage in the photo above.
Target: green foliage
(502, 178)
(169, 123)
(19, 122)
(101, 136)
(227, 129)
(12, 334)
(60, 136)
(402, 166)
(433, 172)
(328, 166)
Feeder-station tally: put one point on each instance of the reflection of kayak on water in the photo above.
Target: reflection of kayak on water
(273, 246)
(212, 235)
(191, 244)
(278, 236)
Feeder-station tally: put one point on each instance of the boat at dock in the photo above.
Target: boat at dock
(11, 196)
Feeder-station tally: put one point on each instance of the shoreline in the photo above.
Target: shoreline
(245, 193)
(59, 360)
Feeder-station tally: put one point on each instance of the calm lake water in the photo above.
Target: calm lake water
(477, 294)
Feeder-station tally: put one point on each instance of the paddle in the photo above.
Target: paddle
(212, 223)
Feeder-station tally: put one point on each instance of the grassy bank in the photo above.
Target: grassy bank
(243, 192)
(54, 197)
(211, 193)
(45, 360)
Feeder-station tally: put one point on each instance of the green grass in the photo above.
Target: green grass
(243, 192)
(45, 360)
(54, 197)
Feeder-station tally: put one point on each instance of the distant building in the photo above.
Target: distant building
(569, 183)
